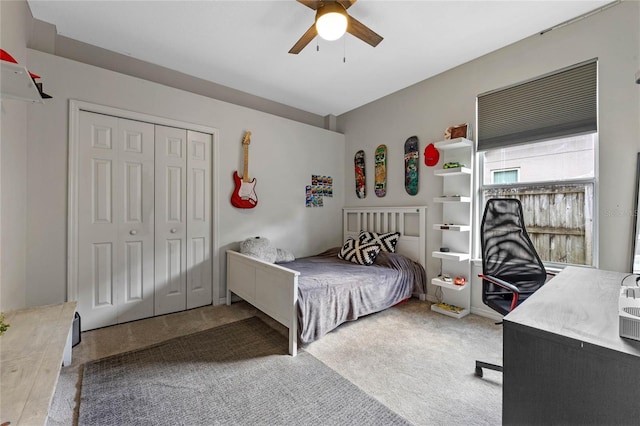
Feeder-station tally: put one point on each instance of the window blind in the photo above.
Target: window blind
(557, 105)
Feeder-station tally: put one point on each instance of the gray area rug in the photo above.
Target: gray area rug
(235, 374)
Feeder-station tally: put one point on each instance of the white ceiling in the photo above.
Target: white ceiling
(244, 44)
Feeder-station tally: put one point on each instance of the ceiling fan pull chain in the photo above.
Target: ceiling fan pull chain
(344, 53)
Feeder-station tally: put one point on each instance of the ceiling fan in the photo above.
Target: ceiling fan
(327, 10)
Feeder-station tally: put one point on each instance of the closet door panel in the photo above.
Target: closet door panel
(136, 220)
(102, 268)
(144, 227)
(199, 285)
(171, 221)
(97, 225)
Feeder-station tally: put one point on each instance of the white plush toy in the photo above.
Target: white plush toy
(262, 249)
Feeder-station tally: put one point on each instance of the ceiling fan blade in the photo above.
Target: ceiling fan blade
(313, 4)
(304, 40)
(364, 33)
(347, 3)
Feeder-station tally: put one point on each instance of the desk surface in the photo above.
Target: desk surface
(581, 304)
(30, 359)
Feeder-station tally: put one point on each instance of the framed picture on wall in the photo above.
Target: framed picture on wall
(459, 131)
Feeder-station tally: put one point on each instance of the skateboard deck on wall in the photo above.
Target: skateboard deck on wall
(411, 170)
(358, 160)
(381, 171)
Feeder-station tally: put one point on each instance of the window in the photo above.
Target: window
(540, 147)
(504, 176)
(555, 186)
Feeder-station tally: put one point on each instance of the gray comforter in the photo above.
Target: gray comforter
(332, 291)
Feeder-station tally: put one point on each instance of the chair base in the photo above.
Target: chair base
(481, 364)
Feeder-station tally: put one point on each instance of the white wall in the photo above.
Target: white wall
(429, 107)
(282, 157)
(15, 19)
(33, 203)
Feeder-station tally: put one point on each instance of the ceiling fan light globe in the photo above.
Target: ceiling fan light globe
(331, 26)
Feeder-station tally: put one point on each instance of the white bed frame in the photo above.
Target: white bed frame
(273, 289)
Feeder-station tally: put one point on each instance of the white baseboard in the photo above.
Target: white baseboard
(487, 313)
(421, 296)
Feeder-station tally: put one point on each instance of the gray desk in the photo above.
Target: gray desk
(564, 361)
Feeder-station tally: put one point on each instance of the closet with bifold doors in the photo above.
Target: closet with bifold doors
(143, 196)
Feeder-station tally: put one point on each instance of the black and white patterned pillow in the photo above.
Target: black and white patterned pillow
(387, 241)
(358, 252)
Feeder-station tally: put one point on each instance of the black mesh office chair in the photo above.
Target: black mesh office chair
(511, 267)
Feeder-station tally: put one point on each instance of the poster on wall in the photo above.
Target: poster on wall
(321, 186)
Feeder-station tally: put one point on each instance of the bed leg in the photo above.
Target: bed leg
(228, 297)
(293, 335)
(293, 343)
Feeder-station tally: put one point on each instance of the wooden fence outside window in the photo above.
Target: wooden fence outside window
(559, 219)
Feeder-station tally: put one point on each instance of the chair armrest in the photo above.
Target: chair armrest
(501, 283)
(515, 291)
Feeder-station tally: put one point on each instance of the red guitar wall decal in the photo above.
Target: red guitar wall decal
(244, 195)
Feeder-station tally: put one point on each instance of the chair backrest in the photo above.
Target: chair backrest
(507, 250)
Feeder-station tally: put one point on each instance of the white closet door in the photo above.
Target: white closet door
(136, 219)
(97, 230)
(199, 285)
(171, 220)
(115, 280)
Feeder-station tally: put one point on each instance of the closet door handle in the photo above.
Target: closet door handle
(174, 230)
(133, 232)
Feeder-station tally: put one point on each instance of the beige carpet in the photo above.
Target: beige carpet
(421, 364)
(418, 363)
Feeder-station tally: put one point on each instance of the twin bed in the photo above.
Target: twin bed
(313, 295)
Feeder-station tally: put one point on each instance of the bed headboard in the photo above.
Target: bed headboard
(411, 222)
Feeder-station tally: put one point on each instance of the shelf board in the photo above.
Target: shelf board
(450, 199)
(453, 144)
(455, 171)
(451, 255)
(447, 284)
(18, 84)
(463, 313)
(454, 228)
